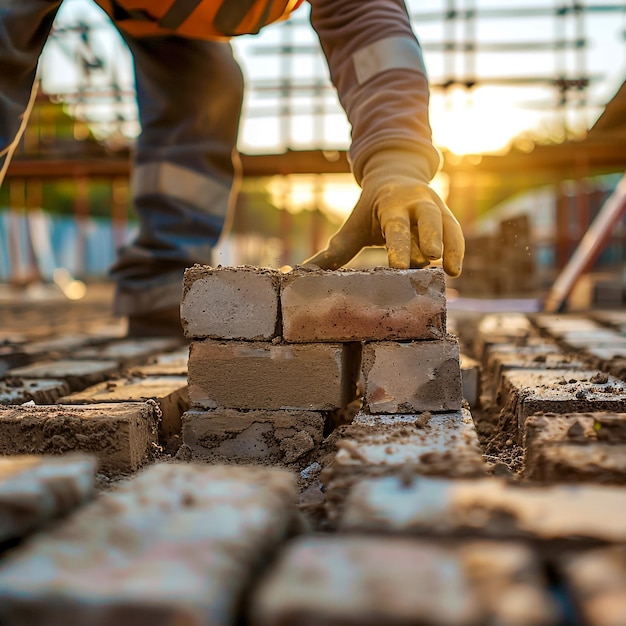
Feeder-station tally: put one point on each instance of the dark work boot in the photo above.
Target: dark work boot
(160, 323)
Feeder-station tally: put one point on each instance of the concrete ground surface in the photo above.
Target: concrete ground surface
(124, 502)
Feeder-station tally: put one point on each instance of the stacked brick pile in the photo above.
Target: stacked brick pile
(274, 356)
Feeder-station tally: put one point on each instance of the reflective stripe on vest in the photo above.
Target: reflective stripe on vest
(197, 19)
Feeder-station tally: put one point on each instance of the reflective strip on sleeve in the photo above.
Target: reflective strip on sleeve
(388, 54)
(183, 184)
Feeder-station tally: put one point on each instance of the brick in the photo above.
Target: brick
(120, 435)
(552, 361)
(12, 357)
(36, 489)
(40, 391)
(60, 345)
(615, 319)
(557, 324)
(286, 438)
(260, 375)
(603, 352)
(170, 364)
(486, 507)
(583, 339)
(576, 447)
(357, 305)
(77, 374)
(470, 380)
(532, 345)
(178, 544)
(412, 377)
(527, 392)
(501, 328)
(230, 303)
(128, 351)
(169, 392)
(368, 581)
(596, 581)
(378, 445)
(615, 367)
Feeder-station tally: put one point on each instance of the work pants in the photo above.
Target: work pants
(185, 166)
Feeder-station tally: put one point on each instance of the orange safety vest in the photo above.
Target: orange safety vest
(197, 19)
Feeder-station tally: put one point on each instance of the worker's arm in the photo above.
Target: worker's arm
(24, 28)
(376, 65)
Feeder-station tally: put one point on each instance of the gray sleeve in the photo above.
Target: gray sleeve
(376, 65)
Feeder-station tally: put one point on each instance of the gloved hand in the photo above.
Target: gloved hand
(397, 209)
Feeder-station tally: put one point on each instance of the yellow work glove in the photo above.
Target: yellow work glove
(399, 210)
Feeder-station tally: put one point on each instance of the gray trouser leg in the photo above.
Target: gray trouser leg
(189, 94)
(24, 28)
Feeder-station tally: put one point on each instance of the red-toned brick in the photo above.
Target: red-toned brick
(355, 305)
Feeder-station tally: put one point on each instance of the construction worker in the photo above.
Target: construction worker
(189, 93)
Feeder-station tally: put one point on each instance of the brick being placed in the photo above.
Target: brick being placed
(444, 444)
(363, 305)
(279, 438)
(128, 351)
(501, 328)
(121, 435)
(412, 377)
(169, 392)
(486, 507)
(177, 544)
(231, 303)
(37, 489)
(369, 581)
(262, 375)
(527, 392)
(77, 374)
(38, 390)
(596, 585)
(576, 447)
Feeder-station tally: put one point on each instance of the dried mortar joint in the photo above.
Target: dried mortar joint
(378, 304)
(372, 580)
(527, 392)
(401, 445)
(577, 447)
(231, 303)
(122, 436)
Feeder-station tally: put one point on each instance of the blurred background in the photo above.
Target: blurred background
(528, 106)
